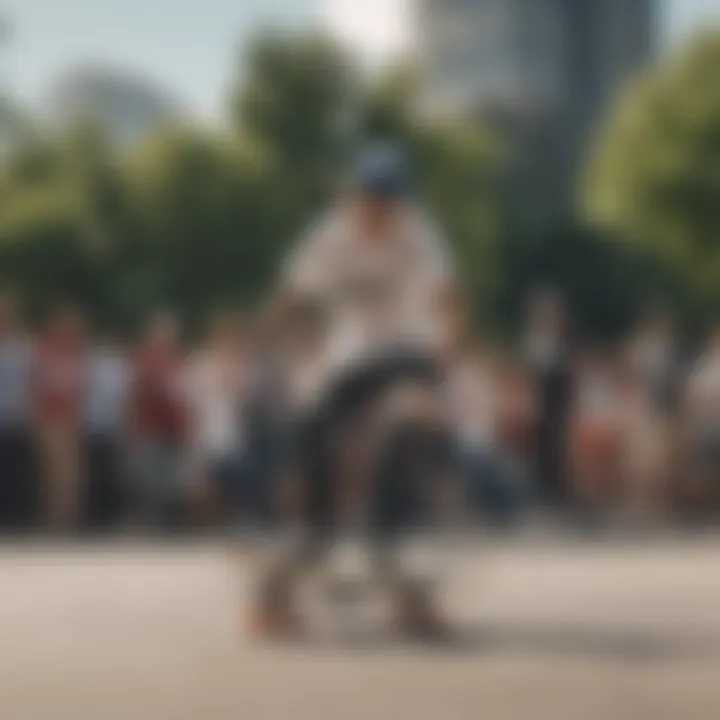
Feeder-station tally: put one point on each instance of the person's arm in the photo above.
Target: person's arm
(308, 271)
(436, 279)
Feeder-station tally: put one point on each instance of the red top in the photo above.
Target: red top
(58, 380)
(159, 403)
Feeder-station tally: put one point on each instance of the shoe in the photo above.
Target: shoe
(274, 624)
(423, 621)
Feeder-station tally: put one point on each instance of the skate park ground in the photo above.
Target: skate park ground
(556, 630)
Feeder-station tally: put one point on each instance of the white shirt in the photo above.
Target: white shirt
(544, 350)
(379, 292)
(472, 399)
(106, 389)
(597, 398)
(15, 380)
(215, 387)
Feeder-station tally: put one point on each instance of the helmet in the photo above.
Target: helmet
(382, 172)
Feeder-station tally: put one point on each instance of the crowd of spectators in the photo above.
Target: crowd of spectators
(96, 433)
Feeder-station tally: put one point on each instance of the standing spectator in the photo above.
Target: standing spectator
(643, 446)
(595, 436)
(104, 419)
(494, 481)
(269, 412)
(700, 494)
(59, 376)
(654, 362)
(158, 421)
(654, 359)
(548, 355)
(17, 481)
(515, 413)
(219, 380)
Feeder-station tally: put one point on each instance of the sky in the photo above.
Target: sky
(191, 47)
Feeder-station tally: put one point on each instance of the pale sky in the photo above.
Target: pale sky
(190, 46)
(377, 28)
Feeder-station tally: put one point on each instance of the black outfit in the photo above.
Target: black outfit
(105, 496)
(340, 409)
(19, 502)
(267, 442)
(553, 385)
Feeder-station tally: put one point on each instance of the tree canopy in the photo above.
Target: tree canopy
(196, 218)
(654, 181)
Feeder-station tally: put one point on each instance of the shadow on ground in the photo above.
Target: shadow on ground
(546, 639)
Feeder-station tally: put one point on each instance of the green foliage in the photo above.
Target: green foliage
(195, 220)
(203, 211)
(55, 207)
(655, 178)
(459, 168)
(297, 100)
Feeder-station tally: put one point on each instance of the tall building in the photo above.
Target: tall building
(607, 43)
(490, 53)
(546, 70)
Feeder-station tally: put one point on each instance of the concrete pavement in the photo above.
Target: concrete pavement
(134, 632)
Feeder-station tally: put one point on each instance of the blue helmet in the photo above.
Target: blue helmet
(382, 171)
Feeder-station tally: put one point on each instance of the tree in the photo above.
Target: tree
(297, 101)
(207, 234)
(194, 219)
(60, 208)
(655, 181)
(388, 106)
(188, 220)
(459, 167)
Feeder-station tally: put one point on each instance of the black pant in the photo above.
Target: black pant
(104, 487)
(554, 389)
(361, 384)
(342, 407)
(18, 479)
(413, 459)
(395, 501)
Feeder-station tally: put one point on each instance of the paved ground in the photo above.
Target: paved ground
(550, 633)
